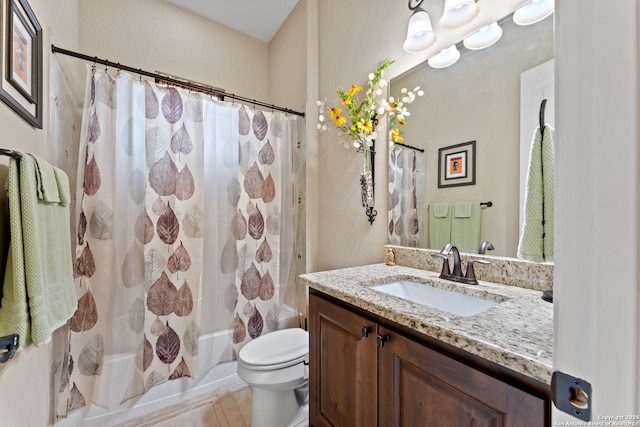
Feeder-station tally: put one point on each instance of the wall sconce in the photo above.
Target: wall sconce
(445, 58)
(534, 11)
(458, 12)
(420, 33)
(484, 37)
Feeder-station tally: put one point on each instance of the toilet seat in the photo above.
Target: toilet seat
(276, 350)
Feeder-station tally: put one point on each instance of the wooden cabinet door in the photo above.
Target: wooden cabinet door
(423, 388)
(343, 367)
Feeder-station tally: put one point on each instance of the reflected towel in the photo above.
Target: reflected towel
(536, 239)
(440, 210)
(439, 225)
(465, 226)
(38, 290)
(462, 210)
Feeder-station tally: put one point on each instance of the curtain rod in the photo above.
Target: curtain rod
(409, 146)
(187, 84)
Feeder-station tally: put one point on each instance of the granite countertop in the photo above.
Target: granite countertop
(517, 333)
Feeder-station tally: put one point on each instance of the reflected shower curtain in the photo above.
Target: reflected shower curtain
(406, 176)
(186, 227)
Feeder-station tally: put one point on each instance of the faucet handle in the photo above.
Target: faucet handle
(471, 274)
(445, 263)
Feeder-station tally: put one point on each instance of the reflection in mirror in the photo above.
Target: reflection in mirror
(476, 99)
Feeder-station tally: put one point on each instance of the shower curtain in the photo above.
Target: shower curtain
(183, 224)
(406, 176)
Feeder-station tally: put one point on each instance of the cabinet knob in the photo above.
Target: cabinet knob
(365, 331)
(382, 339)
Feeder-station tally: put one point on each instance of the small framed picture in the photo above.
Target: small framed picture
(21, 71)
(457, 165)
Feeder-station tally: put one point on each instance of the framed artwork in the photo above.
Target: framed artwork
(21, 71)
(457, 165)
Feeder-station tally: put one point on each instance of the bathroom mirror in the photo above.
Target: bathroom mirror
(476, 99)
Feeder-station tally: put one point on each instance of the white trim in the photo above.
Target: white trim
(597, 212)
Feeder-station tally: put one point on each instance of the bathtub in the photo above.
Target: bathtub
(170, 392)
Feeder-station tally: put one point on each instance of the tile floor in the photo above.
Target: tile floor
(227, 407)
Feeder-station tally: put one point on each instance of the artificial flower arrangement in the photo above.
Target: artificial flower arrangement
(357, 119)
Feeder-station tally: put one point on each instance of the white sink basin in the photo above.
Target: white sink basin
(451, 302)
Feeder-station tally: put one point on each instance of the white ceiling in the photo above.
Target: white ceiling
(258, 18)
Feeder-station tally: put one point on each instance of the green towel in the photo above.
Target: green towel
(46, 181)
(439, 225)
(536, 239)
(38, 290)
(462, 209)
(465, 226)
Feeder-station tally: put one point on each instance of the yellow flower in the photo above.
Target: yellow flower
(346, 102)
(365, 126)
(401, 122)
(395, 135)
(335, 112)
(354, 89)
(339, 121)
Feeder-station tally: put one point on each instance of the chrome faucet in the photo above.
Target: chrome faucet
(485, 246)
(456, 275)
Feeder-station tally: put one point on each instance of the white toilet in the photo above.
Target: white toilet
(275, 365)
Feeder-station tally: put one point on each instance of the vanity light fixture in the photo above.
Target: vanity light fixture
(458, 13)
(445, 58)
(420, 33)
(533, 11)
(484, 37)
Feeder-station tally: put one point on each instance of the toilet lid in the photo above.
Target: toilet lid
(276, 347)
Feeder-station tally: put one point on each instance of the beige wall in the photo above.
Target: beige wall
(25, 380)
(159, 36)
(288, 61)
(345, 237)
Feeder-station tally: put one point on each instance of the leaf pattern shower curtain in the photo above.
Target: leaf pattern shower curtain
(406, 212)
(261, 248)
(180, 234)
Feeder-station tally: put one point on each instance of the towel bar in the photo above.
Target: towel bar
(8, 347)
(10, 153)
(487, 204)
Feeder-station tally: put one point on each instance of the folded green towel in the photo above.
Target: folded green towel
(38, 290)
(439, 225)
(440, 210)
(465, 226)
(14, 310)
(46, 182)
(462, 209)
(64, 193)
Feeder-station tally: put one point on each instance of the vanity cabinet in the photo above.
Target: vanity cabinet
(365, 372)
